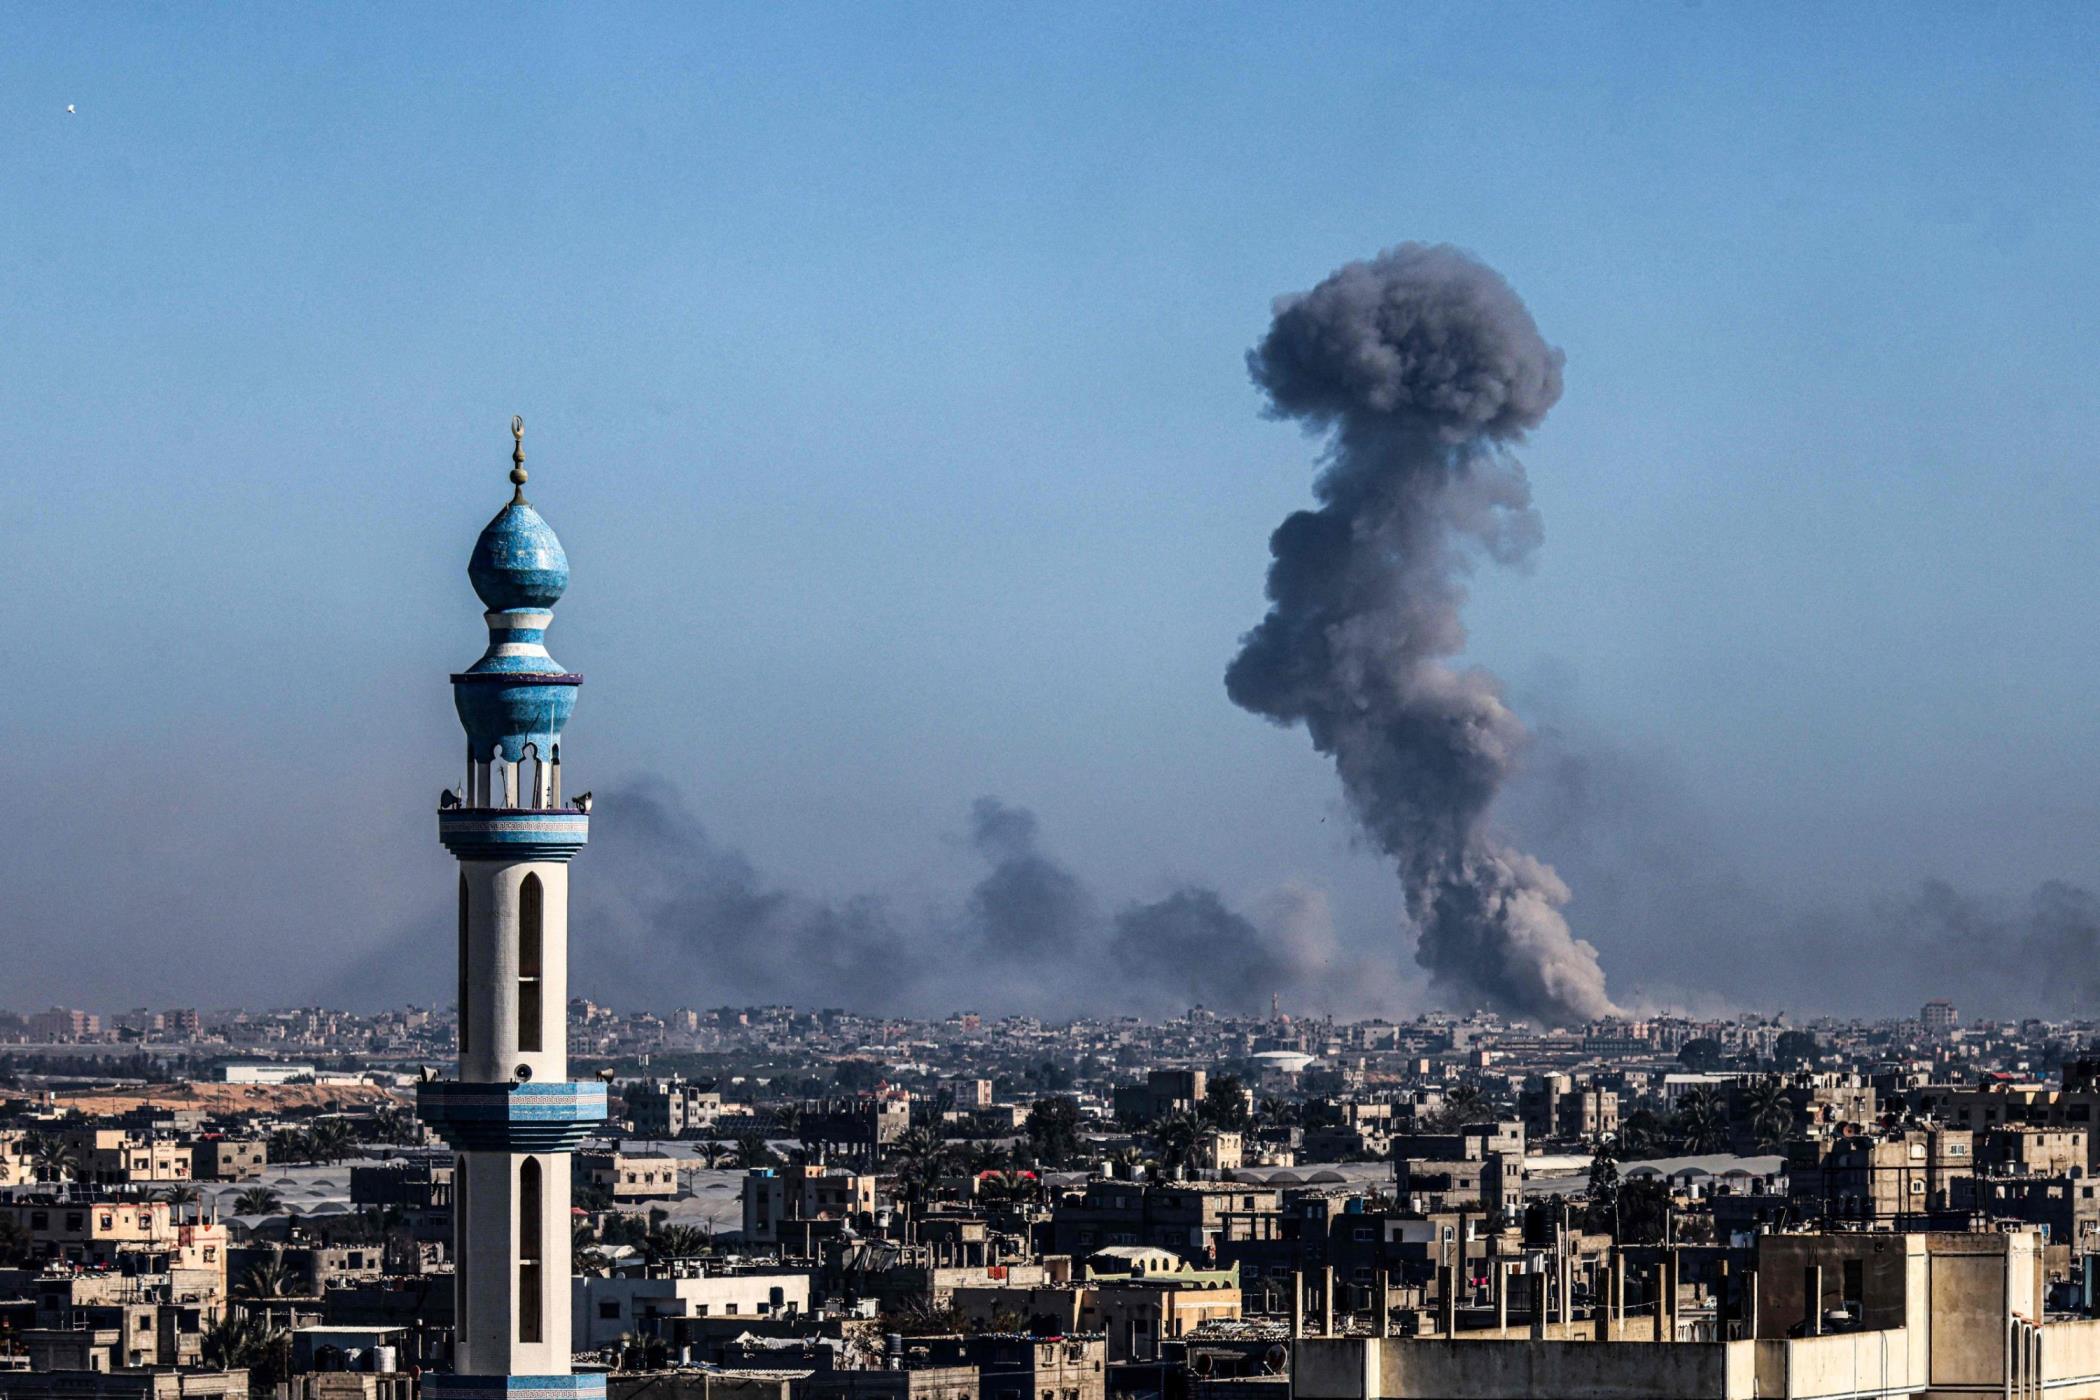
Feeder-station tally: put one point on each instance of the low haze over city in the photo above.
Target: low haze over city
(1295, 703)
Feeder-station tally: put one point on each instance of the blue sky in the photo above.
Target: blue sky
(883, 372)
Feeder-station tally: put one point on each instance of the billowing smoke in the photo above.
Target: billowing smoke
(1421, 367)
(1028, 909)
(666, 915)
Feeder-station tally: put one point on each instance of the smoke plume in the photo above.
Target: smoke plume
(666, 915)
(1027, 909)
(1422, 368)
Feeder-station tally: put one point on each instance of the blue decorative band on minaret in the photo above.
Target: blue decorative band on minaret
(507, 1117)
(588, 1386)
(477, 833)
(504, 711)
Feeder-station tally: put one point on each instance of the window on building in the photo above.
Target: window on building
(1855, 1280)
(610, 1308)
(462, 962)
(531, 944)
(530, 1249)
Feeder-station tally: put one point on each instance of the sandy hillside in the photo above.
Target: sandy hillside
(233, 1098)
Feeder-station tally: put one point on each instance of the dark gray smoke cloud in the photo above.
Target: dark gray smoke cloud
(2034, 957)
(1191, 941)
(1028, 909)
(1421, 367)
(664, 915)
(1630, 829)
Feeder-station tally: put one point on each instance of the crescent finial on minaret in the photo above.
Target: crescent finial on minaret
(517, 456)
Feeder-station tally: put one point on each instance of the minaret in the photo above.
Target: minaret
(511, 1112)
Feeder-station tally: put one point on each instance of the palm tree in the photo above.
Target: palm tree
(921, 1156)
(713, 1153)
(55, 1158)
(291, 1145)
(1770, 1112)
(393, 1125)
(1641, 1134)
(267, 1278)
(669, 1242)
(1702, 1121)
(331, 1140)
(239, 1341)
(15, 1244)
(1177, 1135)
(752, 1151)
(1006, 1188)
(182, 1194)
(1462, 1105)
(257, 1200)
(1275, 1112)
(1129, 1158)
(977, 1158)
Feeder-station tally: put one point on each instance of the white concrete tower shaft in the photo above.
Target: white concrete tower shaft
(511, 1112)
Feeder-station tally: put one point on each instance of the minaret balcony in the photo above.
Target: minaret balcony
(513, 833)
(512, 1117)
(588, 1386)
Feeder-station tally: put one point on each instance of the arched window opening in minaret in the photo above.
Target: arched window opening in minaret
(459, 1245)
(462, 962)
(531, 942)
(533, 783)
(530, 1249)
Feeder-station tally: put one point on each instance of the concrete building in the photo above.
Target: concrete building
(604, 1309)
(779, 1202)
(1897, 1179)
(1557, 1105)
(627, 1177)
(1021, 1367)
(857, 1130)
(141, 1236)
(1478, 1167)
(119, 1157)
(419, 1184)
(108, 1384)
(912, 1383)
(1137, 1297)
(1164, 1091)
(2031, 1151)
(1851, 1316)
(217, 1157)
(64, 1023)
(2065, 1207)
(17, 1158)
(265, 1072)
(1187, 1217)
(512, 1113)
(670, 1108)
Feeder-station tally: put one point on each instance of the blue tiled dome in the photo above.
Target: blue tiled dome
(518, 563)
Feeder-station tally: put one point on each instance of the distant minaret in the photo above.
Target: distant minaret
(512, 1114)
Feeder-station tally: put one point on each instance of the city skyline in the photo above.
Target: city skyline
(907, 430)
